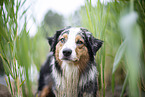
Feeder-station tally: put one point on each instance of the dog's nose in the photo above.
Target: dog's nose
(67, 52)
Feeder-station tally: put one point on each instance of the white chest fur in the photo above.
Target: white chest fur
(67, 84)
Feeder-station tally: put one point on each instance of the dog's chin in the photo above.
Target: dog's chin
(68, 59)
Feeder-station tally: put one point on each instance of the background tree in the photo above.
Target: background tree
(52, 21)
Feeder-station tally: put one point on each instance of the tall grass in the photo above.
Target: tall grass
(20, 53)
(95, 17)
(120, 24)
(116, 23)
(15, 50)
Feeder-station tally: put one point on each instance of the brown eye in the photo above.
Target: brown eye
(62, 40)
(79, 42)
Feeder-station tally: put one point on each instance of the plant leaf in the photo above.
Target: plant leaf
(119, 55)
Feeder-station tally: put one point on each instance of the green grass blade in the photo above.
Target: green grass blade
(89, 18)
(10, 85)
(103, 67)
(124, 85)
(132, 32)
(118, 56)
(113, 83)
(22, 83)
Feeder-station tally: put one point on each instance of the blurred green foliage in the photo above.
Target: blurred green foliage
(121, 60)
(1, 67)
(52, 21)
(15, 49)
(121, 25)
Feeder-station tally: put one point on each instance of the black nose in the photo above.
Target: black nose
(67, 52)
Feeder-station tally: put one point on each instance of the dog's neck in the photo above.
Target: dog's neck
(70, 70)
(67, 84)
(70, 80)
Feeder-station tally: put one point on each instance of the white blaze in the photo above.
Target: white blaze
(70, 43)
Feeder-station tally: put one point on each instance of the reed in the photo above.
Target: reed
(15, 47)
(120, 24)
(116, 23)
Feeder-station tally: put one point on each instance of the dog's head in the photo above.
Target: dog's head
(74, 45)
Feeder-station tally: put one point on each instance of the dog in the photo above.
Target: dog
(70, 69)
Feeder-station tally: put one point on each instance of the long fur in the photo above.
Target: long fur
(64, 79)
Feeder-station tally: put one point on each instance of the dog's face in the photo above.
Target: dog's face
(76, 45)
(71, 46)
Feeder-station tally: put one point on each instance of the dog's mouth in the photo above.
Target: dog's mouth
(69, 59)
(66, 58)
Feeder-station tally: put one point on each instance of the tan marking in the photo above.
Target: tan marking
(45, 91)
(81, 51)
(59, 47)
(82, 54)
(78, 37)
(64, 36)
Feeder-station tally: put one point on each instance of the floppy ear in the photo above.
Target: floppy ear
(53, 40)
(96, 44)
(50, 40)
(93, 44)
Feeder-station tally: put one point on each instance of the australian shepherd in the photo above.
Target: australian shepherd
(70, 69)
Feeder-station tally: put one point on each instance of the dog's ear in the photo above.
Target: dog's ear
(54, 40)
(95, 43)
(50, 40)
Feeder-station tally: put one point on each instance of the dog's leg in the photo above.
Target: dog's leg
(47, 92)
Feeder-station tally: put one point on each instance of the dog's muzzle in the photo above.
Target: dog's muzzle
(68, 55)
(67, 52)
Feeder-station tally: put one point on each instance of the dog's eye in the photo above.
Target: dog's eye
(79, 42)
(62, 40)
